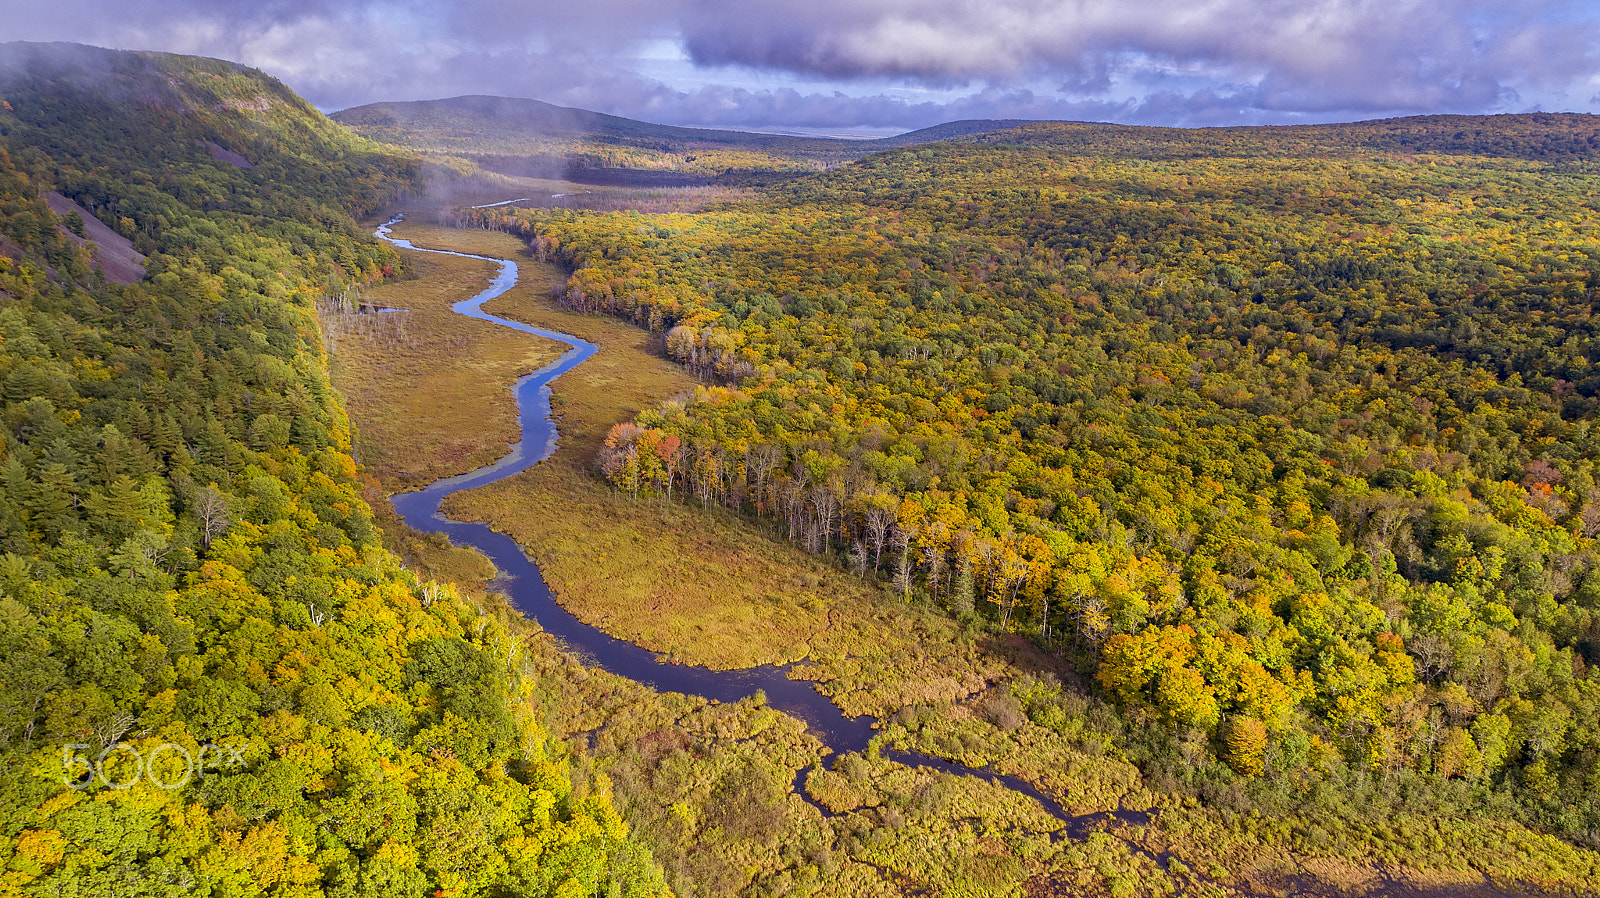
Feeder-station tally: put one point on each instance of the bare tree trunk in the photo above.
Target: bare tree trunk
(858, 559)
(878, 519)
(901, 541)
(826, 503)
(211, 507)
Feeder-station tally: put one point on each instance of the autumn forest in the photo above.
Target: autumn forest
(1175, 512)
(1290, 450)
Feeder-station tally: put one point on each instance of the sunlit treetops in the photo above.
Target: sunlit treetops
(1293, 447)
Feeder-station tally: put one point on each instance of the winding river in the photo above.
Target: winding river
(522, 583)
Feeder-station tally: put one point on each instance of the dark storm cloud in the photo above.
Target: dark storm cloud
(876, 62)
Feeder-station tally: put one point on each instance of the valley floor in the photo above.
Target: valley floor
(740, 799)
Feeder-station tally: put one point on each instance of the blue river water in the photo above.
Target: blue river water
(522, 583)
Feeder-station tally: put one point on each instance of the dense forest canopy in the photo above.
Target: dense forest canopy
(214, 680)
(1285, 434)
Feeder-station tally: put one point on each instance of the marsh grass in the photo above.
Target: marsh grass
(427, 388)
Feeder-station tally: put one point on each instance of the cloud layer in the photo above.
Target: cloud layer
(904, 63)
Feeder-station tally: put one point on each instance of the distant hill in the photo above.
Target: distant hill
(1550, 137)
(533, 138)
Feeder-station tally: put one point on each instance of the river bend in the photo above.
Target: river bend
(523, 584)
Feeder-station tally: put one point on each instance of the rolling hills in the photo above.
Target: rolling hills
(537, 139)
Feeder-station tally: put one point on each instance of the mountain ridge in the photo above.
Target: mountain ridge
(538, 139)
(575, 121)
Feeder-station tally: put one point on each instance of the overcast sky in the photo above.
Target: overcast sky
(856, 66)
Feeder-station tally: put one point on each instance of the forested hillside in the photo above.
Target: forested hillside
(214, 680)
(1285, 436)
